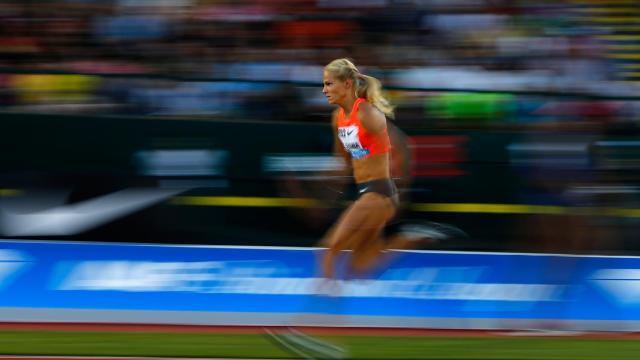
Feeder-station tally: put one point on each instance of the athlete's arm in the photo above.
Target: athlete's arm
(336, 180)
(338, 148)
(400, 159)
(372, 119)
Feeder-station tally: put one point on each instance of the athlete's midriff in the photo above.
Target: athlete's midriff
(371, 168)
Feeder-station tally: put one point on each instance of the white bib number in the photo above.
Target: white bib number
(349, 137)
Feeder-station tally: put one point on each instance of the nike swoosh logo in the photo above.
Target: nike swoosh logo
(76, 218)
(350, 132)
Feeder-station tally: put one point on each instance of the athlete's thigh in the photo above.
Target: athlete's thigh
(364, 219)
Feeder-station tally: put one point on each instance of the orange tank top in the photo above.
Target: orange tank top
(357, 141)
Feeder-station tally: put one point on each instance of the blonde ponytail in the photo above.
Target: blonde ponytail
(371, 89)
(367, 87)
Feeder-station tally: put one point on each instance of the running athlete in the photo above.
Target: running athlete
(361, 137)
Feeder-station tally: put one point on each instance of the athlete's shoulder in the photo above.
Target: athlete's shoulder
(371, 117)
(368, 109)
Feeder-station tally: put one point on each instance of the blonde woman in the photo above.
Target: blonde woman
(361, 137)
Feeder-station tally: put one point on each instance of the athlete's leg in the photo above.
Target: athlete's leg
(358, 229)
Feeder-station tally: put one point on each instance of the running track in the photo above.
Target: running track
(249, 330)
(311, 330)
(11, 357)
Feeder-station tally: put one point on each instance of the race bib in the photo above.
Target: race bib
(349, 137)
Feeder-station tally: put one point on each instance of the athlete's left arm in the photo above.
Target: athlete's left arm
(372, 119)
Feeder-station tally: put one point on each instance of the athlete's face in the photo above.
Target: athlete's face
(335, 89)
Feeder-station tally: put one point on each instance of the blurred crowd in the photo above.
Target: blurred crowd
(263, 59)
(565, 74)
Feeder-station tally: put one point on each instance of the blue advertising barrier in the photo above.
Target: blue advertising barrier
(215, 285)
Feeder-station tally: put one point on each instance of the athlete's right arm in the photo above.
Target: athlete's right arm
(335, 180)
(338, 148)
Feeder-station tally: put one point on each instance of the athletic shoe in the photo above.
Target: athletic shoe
(308, 347)
(432, 231)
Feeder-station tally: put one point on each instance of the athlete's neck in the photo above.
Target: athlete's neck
(347, 105)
